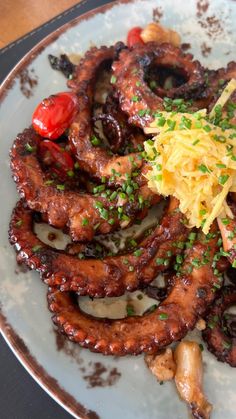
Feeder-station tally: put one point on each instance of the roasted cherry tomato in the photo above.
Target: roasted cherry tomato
(54, 115)
(134, 37)
(59, 160)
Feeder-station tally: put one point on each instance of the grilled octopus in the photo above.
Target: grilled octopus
(136, 97)
(115, 170)
(191, 294)
(220, 333)
(110, 276)
(216, 81)
(69, 208)
(98, 162)
(120, 134)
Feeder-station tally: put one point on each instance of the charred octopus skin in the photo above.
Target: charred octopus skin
(95, 160)
(191, 294)
(216, 81)
(67, 208)
(220, 334)
(111, 276)
(136, 97)
(98, 162)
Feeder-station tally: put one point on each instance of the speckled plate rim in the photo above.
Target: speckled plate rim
(41, 45)
(13, 340)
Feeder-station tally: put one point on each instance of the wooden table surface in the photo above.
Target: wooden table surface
(17, 17)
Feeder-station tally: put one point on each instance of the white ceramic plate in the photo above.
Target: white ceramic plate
(62, 368)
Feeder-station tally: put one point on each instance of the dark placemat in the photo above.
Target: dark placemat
(20, 396)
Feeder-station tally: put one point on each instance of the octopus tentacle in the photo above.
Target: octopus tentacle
(220, 333)
(136, 97)
(190, 296)
(97, 161)
(111, 276)
(67, 208)
(216, 82)
(125, 135)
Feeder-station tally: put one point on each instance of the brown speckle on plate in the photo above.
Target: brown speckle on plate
(28, 81)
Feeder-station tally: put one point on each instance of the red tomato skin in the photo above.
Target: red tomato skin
(54, 114)
(134, 37)
(58, 155)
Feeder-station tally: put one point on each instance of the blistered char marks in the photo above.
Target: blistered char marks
(167, 323)
(136, 97)
(108, 277)
(220, 333)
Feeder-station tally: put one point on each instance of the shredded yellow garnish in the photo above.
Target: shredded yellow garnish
(195, 161)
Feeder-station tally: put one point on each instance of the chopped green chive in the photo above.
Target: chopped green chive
(36, 248)
(192, 236)
(153, 84)
(160, 261)
(70, 173)
(48, 182)
(163, 316)
(29, 148)
(19, 223)
(207, 128)
(61, 187)
(223, 179)
(226, 345)
(85, 222)
(171, 124)
(80, 256)
(138, 252)
(113, 79)
(98, 204)
(113, 195)
(130, 310)
(104, 213)
(204, 169)
(161, 121)
(179, 259)
(198, 124)
(135, 99)
(95, 141)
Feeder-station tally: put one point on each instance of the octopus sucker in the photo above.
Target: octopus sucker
(220, 334)
(169, 322)
(110, 276)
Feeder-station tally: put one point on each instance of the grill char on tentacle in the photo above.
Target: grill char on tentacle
(67, 208)
(111, 276)
(220, 333)
(189, 298)
(136, 97)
